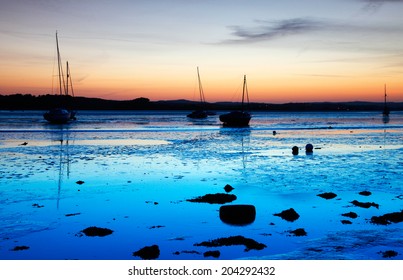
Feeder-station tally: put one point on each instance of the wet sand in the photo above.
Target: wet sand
(141, 195)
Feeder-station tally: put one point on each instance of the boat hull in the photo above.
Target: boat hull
(235, 119)
(198, 115)
(59, 116)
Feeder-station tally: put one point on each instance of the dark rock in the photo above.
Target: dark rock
(309, 148)
(148, 252)
(350, 215)
(228, 188)
(233, 240)
(96, 231)
(218, 198)
(389, 254)
(288, 215)
(346, 222)
(238, 214)
(365, 193)
(298, 232)
(214, 254)
(36, 205)
(395, 217)
(327, 195)
(80, 182)
(72, 214)
(20, 248)
(364, 204)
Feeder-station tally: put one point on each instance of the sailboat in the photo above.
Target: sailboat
(238, 118)
(60, 114)
(386, 110)
(199, 114)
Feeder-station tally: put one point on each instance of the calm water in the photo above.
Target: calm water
(139, 169)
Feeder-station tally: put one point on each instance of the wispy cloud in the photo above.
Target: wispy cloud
(375, 5)
(268, 30)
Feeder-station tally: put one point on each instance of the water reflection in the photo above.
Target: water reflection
(62, 136)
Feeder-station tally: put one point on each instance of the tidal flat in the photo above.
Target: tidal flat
(113, 184)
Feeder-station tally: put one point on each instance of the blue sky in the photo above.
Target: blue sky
(290, 50)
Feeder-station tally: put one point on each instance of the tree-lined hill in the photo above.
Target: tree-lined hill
(45, 102)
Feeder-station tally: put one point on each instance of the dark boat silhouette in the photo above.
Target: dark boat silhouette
(199, 114)
(60, 114)
(238, 118)
(386, 110)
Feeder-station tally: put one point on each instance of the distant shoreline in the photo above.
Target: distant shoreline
(45, 102)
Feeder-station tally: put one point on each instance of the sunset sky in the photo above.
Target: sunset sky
(290, 50)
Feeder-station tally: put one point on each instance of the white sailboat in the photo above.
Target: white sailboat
(61, 114)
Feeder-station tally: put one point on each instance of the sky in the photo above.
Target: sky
(289, 50)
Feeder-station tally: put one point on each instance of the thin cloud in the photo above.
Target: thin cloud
(375, 5)
(269, 30)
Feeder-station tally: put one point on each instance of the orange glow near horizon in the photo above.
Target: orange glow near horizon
(308, 90)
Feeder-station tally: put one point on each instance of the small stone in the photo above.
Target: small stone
(148, 252)
(288, 215)
(228, 188)
(327, 195)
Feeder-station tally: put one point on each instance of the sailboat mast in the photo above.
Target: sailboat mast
(59, 65)
(69, 81)
(202, 99)
(243, 90)
(385, 94)
(67, 77)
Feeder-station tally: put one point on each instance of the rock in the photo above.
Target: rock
(365, 204)
(218, 198)
(72, 214)
(238, 214)
(36, 205)
(327, 195)
(346, 222)
(80, 182)
(148, 252)
(365, 193)
(96, 231)
(298, 232)
(249, 243)
(389, 254)
(350, 215)
(228, 188)
(214, 254)
(288, 215)
(395, 217)
(20, 248)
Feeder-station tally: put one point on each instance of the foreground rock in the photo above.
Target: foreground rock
(228, 188)
(214, 254)
(249, 243)
(218, 198)
(148, 252)
(327, 195)
(365, 204)
(298, 232)
(395, 217)
(365, 193)
(20, 248)
(96, 231)
(351, 215)
(238, 214)
(288, 215)
(389, 254)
